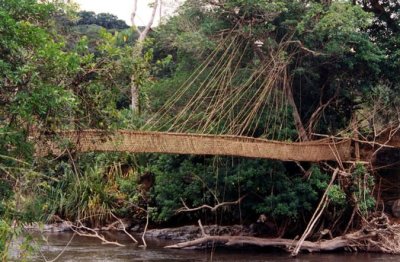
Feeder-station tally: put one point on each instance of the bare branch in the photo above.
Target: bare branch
(145, 228)
(133, 15)
(150, 23)
(124, 228)
(185, 208)
(80, 230)
(317, 214)
(203, 233)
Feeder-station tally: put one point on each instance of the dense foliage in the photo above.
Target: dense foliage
(105, 20)
(48, 83)
(64, 69)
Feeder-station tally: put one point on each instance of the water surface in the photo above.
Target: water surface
(90, 249)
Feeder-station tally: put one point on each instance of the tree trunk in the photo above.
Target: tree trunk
(295, 113)
(137, 51)
(348, 241)
(134, 95)
(150, 23)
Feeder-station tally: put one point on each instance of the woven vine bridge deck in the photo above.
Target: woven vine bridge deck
(197, 144)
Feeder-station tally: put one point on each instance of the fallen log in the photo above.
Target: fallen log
(378, 234)
(347, 241)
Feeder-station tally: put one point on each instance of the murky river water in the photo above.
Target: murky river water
(89, 249)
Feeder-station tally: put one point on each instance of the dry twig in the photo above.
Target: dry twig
(185, 208)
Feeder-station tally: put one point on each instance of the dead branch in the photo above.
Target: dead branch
(112, 226)
(143, 34)
(82, 230)
(324, 245)
(185, 208)
(123, 227)
(317, 214)
(145, 228)
(133, 15)
(203, 233)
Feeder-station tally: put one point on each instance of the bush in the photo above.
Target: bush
(267, 184)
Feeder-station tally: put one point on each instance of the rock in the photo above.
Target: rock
(396, 208)
(136, 229)
(55, 227)
(187, 233)
(178, 233)
(263, 227)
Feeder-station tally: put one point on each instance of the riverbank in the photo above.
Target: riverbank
(378, 234)
(183, 233)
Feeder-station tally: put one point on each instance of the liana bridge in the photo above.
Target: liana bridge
(197, 144)
(222, 105)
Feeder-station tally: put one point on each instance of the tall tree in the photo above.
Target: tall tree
(137, 51)
(332, 60)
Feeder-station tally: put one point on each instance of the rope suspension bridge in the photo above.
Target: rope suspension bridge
(180, 143)
(223, 108)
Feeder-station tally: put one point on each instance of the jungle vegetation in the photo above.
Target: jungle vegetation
(62, 68)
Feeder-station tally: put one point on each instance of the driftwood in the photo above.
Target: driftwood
(377, 235)
(348, 241)
(81, 230)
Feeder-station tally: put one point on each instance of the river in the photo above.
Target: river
(90, 249)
